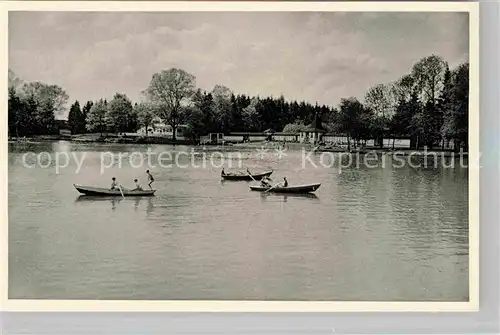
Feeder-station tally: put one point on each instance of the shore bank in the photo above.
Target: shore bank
(97, 138)
(111, 138)
(343, 149)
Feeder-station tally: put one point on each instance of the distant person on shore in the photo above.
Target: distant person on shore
(151, 180)
(114, 184)
(138, 186)
(285, 183)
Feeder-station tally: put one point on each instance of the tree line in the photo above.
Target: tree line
(429, 105)
(32, 107)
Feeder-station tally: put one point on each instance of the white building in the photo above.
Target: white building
(160, 129)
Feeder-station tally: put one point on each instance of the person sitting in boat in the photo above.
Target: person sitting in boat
(138, 186)
(285, 183)
(114, 184)
(264, 182)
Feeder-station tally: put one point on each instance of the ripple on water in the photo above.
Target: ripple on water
(369, 234)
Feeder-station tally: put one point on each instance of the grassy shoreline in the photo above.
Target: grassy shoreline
(108, 138)
(342, 149)
(113, 138)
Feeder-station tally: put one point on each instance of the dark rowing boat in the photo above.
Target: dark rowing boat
(241, 176)
(289, 189)
(101, 191)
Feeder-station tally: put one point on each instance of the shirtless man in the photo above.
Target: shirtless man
(150, 179)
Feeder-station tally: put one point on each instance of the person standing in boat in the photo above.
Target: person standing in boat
(150, 179)
(285, 183)
(222, 173)
(114, 184)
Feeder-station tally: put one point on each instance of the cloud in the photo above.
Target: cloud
(305, 56)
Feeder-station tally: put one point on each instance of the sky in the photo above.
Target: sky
(313, 56)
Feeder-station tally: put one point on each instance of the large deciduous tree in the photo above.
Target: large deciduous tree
(455, 106)
(120, 114)
(171, 90)
(145, 112)
(428, 74)
(380, 100)
(48, 95)
(39, 105)
(403, 88)
(250, 115)
(14, 82)
(352, 119)
(96, 118)
(195, 116)
(222, 107)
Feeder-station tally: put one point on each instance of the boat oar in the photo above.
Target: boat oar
(251, 176)
(120, 188)
(269, 189)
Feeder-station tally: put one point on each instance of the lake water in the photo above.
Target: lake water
(370, 234)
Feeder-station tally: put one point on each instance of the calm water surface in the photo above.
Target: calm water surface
(378, 234)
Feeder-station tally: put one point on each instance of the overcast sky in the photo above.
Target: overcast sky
(317, 57)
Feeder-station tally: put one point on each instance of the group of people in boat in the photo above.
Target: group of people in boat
(138, 187)
(264, 182)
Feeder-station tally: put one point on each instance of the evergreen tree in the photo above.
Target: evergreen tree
(83, 121)
(28, 123)
(445, 106)
(45, 118)
(459, 119)
(207, 108)
(15, 110)
(195, 117)
(75, 117)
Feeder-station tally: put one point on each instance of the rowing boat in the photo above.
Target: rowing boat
(101, 191)
(289, 189)
(240, 176)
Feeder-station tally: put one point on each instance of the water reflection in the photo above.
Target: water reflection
(114, 201)
(27, 146)
(91, 198)
(283, 197)
(366, 234)
(150, 207)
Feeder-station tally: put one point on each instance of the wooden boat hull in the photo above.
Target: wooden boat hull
(289, 195)
(100, 191)
(257, 176)
(289, 189)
